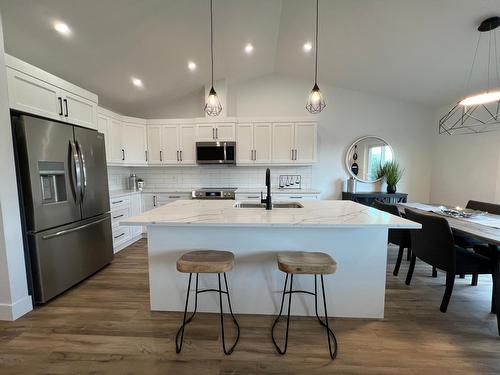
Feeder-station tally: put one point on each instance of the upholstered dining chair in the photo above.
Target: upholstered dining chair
(400, 237)
(434, 244)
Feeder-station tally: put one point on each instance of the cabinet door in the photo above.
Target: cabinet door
(262, 135)
(305, 142)
(283, 143)
(187, 144)
(244, 144)
(135, 209)
(225, 132)
(155, 152)
(79, 111)
(115, 142)
(134, 143)
(31, 95)
(205, 132)
(170, 144)
(102, 127)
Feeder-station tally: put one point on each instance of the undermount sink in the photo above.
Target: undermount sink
(263, 205)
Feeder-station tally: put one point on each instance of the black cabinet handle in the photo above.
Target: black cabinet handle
(123, 234)
(117, 202)
(146, 152)
(60, 106)
(216, 133)
(180, 153)
(116, 217)
(213, 133)
(123, 154)
(161, 157)
(66, 105)
(174, 196)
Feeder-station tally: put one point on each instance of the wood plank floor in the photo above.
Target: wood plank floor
(104, 326)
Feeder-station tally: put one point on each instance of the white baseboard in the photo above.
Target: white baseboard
(16, 309)
(127, 243)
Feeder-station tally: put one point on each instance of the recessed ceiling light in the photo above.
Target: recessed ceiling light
(249, 48)
(191, 66)
(307, 47)
(137, 82)
(62, 28)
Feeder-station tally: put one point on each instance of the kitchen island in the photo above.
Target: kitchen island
(353, 234)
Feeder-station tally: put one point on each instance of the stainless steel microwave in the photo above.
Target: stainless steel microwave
(216, 152)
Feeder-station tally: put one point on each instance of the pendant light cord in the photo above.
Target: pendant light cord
(212, 41)
(316, 45)
(473, 63)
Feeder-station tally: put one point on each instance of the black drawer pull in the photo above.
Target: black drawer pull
(116, 217)
(117, 202)
(123, 234)
(174, 196)
(296, 197)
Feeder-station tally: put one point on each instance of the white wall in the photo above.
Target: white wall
(348, 115)
(465, 167)
(14, 298)
(186, 107)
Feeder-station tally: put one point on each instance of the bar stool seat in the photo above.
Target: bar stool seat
(206, 261)
(305, 263)
(301, 262)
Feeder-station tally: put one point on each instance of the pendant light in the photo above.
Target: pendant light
(478, 113)
(315, 102)
(212, 105)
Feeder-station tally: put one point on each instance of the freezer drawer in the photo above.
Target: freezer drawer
(64, 256)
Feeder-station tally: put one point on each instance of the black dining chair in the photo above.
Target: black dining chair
(465, 241)
(400, 237)
(434, 244)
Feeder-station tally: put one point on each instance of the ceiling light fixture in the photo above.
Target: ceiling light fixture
(249, 48)
(62, 28)
(212, 105)
(315, 102)
(137, 82)
(478, 113)
(191, 66)
(307, 47)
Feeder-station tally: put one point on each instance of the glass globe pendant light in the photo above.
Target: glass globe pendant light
(315, 102)
(212, 104)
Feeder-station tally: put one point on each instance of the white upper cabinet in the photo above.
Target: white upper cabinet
(294, 143)
(170, 144)
(254, 143)
(134, 142)
(206, 132)
(114, 134)
(155, 150)
(35, 91)
(187, 144)
(102, 127)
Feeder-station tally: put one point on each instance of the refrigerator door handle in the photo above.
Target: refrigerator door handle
(76, 172)
(84, 170)
(67, 231)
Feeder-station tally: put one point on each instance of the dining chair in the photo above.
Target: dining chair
(434, 244)
(472, 243)
(400, 237)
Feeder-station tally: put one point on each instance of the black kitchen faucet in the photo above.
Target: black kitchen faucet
(267, 201)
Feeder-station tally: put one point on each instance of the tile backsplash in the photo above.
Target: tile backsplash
(205, 176)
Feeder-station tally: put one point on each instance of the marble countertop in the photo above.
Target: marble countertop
(314, 214)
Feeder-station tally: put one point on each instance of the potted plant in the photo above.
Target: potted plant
(392, 172)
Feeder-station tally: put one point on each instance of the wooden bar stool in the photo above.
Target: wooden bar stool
(305, 263)
(206, 261)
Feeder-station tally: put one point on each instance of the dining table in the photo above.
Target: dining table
(484, 227)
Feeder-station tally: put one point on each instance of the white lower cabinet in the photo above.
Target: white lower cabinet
(276, 197)
(123, 207)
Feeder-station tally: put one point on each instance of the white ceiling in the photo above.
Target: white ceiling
(417, 51)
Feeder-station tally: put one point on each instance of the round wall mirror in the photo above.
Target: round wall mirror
(364, 157)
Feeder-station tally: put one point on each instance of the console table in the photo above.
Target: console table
(368, 198)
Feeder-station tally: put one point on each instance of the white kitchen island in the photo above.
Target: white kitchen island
(353, 234)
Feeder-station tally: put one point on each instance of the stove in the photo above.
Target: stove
(214, 193)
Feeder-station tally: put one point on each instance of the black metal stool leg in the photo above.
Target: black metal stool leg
(178, 347)
(279, 350)
(329, 332)
(231, 349)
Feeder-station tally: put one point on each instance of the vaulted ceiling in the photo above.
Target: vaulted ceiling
(417, 51)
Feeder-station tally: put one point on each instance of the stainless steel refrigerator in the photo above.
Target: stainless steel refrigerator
(64, 198)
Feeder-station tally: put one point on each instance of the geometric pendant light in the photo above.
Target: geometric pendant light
(315, 102)
(212, 104)
(478, 113)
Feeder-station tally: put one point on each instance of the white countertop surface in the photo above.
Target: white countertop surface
(314, 214)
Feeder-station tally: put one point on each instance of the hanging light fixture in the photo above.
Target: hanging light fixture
(315, 102)
(478, 113)
(212, 105)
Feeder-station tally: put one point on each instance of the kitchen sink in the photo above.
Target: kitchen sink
(263, 205)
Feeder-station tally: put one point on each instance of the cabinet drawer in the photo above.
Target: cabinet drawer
(118, 215)
(119, 202)
(120, 235)
(248, 197)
